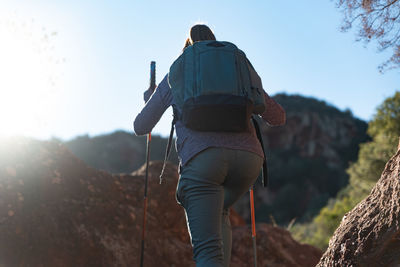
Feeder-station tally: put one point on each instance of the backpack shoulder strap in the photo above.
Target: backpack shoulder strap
(169, 145)
(264, 169)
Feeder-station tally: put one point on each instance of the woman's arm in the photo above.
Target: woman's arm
(155, 107)
(274, 113)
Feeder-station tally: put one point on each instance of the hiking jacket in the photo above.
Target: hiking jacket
(189, 142)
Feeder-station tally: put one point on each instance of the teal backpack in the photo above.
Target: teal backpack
(212, 88)
(214, 91)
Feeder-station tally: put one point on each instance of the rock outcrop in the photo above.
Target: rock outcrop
(316, 130)
(57, 211)
(369, 235)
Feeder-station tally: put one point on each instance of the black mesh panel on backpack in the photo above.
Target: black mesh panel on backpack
(211, 113)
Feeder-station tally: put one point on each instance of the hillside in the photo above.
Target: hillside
(308, 157)
(57, 211)
(119, 151)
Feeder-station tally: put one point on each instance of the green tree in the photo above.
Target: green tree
(386, 121)
(384, 129)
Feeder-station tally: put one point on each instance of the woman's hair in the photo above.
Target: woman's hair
(199, 32)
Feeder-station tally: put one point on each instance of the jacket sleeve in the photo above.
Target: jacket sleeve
(274, 113)
(155, 107)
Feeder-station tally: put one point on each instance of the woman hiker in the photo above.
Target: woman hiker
(216, 168)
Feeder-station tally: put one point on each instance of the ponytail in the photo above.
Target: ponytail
(188, 42)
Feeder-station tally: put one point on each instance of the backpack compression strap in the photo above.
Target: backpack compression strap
(265, 169)
(168, 149)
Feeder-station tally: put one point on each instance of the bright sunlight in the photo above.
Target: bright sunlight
(28, 76)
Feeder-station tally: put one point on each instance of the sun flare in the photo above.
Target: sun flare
(27, 77)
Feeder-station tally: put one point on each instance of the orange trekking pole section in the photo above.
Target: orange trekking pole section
(152, 87)
(253, 225)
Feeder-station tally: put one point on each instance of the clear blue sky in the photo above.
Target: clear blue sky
(106, 47)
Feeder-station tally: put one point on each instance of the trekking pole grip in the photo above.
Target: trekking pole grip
(152, 75)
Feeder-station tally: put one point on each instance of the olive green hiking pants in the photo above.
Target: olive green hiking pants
(208, 186)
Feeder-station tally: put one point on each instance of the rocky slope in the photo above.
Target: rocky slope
(57, 211)
(369, 235)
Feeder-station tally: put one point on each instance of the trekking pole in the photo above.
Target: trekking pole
(253, 225)
(152, 87)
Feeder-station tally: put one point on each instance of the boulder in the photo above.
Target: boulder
(369, 235)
